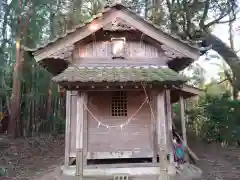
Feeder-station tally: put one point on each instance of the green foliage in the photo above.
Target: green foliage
(3, 171)
(216, 118)
(60, 125)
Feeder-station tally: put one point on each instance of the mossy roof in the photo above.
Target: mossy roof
(118, 74)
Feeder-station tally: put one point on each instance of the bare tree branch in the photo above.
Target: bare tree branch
(205, 13)
(169, 5)
(220, 82)
(188, 18)
(220, 22)
(223, 15)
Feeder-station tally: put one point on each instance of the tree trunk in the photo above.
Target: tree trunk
(15, 97)
(49, 99)
(231, 40)
(229, 55)
(15, 101)
(49, 102)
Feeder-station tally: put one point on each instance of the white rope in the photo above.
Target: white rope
(128, 120)
(150, 105)
(152, 112)
(115, 126)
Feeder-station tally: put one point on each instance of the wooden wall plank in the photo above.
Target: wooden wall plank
(134, 136)
(103, 49)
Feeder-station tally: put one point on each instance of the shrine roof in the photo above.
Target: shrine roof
(119, 74)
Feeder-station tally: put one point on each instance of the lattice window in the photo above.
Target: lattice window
(119, 103)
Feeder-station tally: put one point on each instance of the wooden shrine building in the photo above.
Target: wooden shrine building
(121, 76)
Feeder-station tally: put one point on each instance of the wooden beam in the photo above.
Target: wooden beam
(137, 171)
(161, 134)
(183, 120)
(110, 171)
(117, 154)
(138, 61)
(79, 136)
(120, 154)
(67, 128)
(112, 86)
(191, 89)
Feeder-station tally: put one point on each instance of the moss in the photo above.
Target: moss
(124, 74)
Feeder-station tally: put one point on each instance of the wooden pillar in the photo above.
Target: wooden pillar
(161, 134)
(154, 128)
(169, 125)
(85, 131)
(183, 119)
(79, 136)
(67, 128)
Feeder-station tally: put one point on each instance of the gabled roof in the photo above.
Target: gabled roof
(101, 20)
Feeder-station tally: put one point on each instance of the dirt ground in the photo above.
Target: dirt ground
(25, 159)
(40, 159)
(217, 162)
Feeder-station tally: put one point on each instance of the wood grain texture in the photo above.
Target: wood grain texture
(136, 136)
(136, 53)
(68, 128)
(104, 49)
(79, 119)
(169, 124)
(73, 123)
(85, 133)
(161, 129)
(154, 125)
